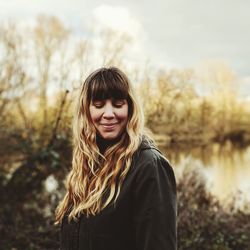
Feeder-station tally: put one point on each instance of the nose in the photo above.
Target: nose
(108, 111)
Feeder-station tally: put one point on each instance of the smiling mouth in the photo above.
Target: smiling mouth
(110, 126)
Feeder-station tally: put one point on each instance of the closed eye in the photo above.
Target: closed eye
(118, 104)
(98, 104)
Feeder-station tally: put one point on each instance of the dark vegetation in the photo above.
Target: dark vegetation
(202, 222)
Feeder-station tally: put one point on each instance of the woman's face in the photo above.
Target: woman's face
(109, 117)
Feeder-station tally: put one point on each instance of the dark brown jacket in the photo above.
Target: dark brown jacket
(144, 217)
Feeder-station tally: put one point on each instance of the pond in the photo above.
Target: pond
(226, 168)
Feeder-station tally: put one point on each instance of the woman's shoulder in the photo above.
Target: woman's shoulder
(149, 155)
(149, 149)
(152, 164)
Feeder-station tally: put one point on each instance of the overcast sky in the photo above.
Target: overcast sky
(180, 33)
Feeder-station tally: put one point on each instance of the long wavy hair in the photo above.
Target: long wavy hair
(94, 173)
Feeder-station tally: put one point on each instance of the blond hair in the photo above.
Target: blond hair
(93, 173)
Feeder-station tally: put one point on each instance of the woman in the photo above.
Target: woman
(121, 191)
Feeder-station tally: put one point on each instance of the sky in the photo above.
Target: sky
(170, 33)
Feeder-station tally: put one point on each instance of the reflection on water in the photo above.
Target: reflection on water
(226, 168)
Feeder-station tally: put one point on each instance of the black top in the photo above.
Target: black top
(144, 217)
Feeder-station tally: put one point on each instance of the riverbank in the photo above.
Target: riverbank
(239, 138)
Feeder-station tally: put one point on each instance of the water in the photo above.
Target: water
(226, 168)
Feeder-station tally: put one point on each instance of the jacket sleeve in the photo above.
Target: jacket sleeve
(154, 206)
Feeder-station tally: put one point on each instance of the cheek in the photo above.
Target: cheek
(94, 114)
(123, 114)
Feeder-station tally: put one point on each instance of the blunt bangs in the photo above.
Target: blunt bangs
(107, 84)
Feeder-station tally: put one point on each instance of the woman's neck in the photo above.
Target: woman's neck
(103, 144)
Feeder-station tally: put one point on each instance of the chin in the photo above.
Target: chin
(110, 136)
